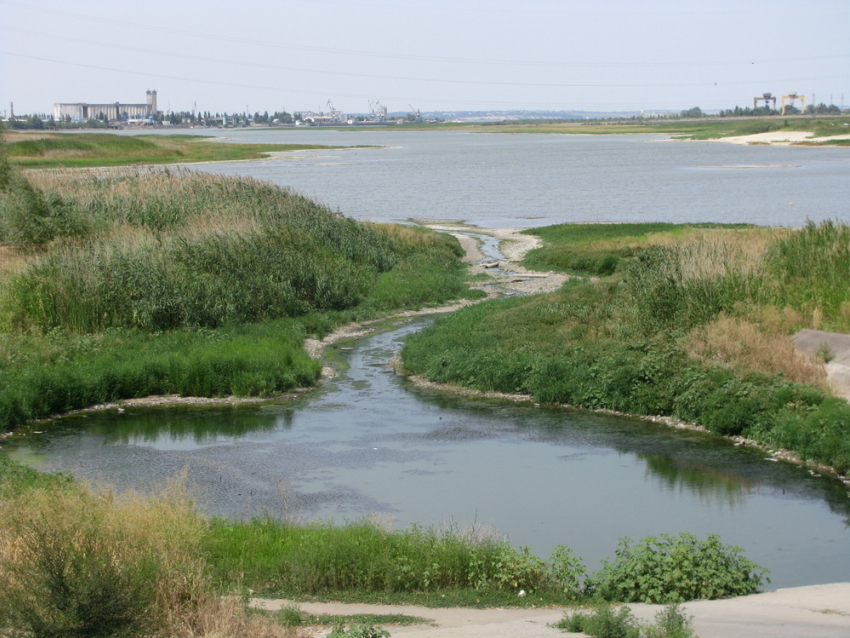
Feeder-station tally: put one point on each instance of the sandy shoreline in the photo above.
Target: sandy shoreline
(778, 138)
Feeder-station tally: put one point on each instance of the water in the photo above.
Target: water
(368, 442)
(511, 181)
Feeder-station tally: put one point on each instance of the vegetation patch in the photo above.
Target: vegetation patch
(600, 249)
(606, 621)
(647, 339)
(77, 562)
(82, 150)
(169, 282)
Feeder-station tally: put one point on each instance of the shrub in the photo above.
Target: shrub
(669, 569)
(81, 564)
(671, 622)
(74, 564)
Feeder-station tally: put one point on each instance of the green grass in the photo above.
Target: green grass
(275, 556)
(599, 249)
(160, 282)
(625, 343)
(44, 376)
(698, 129)
(85, 150)
(293, 616)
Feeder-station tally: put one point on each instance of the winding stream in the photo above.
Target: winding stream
(369, 442)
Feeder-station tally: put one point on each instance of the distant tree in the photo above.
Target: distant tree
(693, 112)
(34, 121)
(5, 167)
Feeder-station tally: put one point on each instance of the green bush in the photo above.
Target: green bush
(669, 569)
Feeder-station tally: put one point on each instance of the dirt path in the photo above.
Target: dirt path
(817, 611)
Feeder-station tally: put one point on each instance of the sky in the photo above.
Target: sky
(459, 55)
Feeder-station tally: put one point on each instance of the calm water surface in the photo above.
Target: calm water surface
(495, 180)
(367, 442)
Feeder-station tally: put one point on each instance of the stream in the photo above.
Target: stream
(369, 442)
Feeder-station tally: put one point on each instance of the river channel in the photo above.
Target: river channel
(369, 442)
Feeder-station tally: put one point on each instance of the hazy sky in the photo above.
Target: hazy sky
(600, 55)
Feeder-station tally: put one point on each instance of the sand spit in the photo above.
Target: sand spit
(780, 138)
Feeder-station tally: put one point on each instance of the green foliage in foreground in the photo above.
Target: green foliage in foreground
(292, 616)
(278, 556)
(671, 570)
(77, 562)
(607, 622)
(358, 630)
(359, 558)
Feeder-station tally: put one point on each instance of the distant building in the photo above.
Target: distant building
(82, 111)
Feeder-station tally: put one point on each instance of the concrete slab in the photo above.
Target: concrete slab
(818, 611)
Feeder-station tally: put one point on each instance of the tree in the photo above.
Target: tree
(693, 112)
(5, 167)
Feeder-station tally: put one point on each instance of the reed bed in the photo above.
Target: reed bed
(157, 250)
(169, 282)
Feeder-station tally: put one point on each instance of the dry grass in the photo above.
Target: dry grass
(11, 259)
(139, 554)
(757, 346)
(705, 254)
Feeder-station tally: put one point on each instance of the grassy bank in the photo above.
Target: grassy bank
(81, 562)
(697, 129)
(84, 150)
(159, 281)
(690, 323)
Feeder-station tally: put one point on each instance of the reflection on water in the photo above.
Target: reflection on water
(711, 485)
(369, 442)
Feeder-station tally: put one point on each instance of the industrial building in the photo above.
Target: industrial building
(81, 111)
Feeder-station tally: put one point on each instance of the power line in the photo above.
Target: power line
(400, 56)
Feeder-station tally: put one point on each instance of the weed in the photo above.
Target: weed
(358, 630)
(605, 621)
(670, 569)
(671, 622)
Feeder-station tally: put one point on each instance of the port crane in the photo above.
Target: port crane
(336, 116)
(379, 111)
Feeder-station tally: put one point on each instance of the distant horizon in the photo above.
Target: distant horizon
(465, 55)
